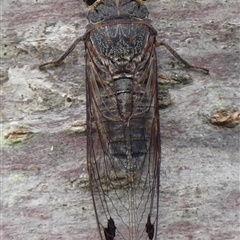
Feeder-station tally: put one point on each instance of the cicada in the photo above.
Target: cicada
(123, 133)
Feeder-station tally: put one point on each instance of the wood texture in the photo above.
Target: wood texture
(43, 143)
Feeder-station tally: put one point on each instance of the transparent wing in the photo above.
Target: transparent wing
(124, 144)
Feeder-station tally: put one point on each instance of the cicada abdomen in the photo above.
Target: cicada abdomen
(123, 120)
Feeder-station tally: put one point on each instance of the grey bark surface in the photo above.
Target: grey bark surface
(44, 183)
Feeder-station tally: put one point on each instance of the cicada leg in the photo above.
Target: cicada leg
(64, 55)
(176, 55)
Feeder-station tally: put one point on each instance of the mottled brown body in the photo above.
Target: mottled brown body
(123, 140)
(123, 120)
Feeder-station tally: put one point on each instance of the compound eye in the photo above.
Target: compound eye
(90, 2)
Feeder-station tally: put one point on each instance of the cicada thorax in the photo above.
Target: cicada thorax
(125, 149)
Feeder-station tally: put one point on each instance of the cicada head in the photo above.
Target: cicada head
(104, 10)
(94, 3)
